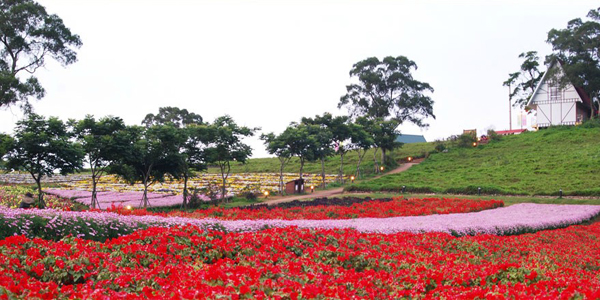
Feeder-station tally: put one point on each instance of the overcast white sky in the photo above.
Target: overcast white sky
(268, 63)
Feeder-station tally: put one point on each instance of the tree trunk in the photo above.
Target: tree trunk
(224, 178)
(281, 177)
(95, 203)
(185, 192)
(383, 157)
(342, 167)
(323, 172)
(42, 204)
(375, 164)
(145, 198)
(360, 158)
(301, 166)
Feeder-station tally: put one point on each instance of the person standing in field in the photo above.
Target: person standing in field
(27, 201)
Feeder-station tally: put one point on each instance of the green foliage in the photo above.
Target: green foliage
(195, 136)
(464, 140)
(577, 47)
(150, 154)
(102, 143)
(42, 146)
(387, 89)
(440, 146)
(28, 35)
(174, 116)
(332, 163)
(532, 163)
(522, 84)
(226, 146)
(493, 136)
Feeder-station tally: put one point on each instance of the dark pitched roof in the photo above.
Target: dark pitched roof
(410, 138)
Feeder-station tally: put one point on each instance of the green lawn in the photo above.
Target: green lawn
(533, 163)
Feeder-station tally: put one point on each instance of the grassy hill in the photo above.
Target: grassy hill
(533, 163)
(332, 164)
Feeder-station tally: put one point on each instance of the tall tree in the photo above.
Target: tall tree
(280, 146)
(28, 36)
(341, 132)
(383, 133)
(578, 48)
(522, 84)
(150, 154)
(320, 130)
(5, 143)
(42, 146)
(102, 142)
(386, 89)
(360, 141)
(302, 144)
(172, 115)
(195, 138)
(227, 146)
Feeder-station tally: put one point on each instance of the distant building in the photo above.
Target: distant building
(569, 105)
(511, 132)
(410, 139)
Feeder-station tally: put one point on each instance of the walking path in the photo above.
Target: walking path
(336, 191)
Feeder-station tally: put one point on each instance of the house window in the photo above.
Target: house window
(554, 93)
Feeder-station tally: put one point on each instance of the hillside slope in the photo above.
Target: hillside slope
(533, 163)
(332, 164)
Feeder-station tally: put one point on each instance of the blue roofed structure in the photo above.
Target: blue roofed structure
(410, 138)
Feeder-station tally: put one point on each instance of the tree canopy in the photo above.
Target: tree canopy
(522, 83)
(28, 36)
(150, 154)
(102, 142)
(195, 136)
(226, 145)
(42, 146)
(577, 47)
(172, 115)
(280, 146)
(387, 89)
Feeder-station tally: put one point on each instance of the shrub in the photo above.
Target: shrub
(493, 136)
(465, 140)
(440, 146)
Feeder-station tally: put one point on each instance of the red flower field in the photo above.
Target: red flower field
(292, 263)
(369, 209)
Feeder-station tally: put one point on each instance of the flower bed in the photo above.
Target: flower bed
(237, 182)
(349, 208)
(108, 198)
(515, 219)
(292, 263)
(12, 195)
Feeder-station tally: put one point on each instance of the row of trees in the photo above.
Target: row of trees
(174, 142)
(577, 48)
(315, 139)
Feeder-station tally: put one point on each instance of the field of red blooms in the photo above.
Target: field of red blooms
(292, 263)
(370, 209)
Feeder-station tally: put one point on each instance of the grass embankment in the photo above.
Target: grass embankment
(533, 163)
(332, 164)
(508, 200)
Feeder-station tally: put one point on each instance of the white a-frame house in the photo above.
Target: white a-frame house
(556, 105)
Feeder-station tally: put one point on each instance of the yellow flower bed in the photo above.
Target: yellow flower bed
(236, 183)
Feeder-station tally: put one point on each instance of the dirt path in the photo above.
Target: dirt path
(336, 191)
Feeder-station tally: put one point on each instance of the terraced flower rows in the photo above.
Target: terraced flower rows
(236, 182)
(98, 254)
